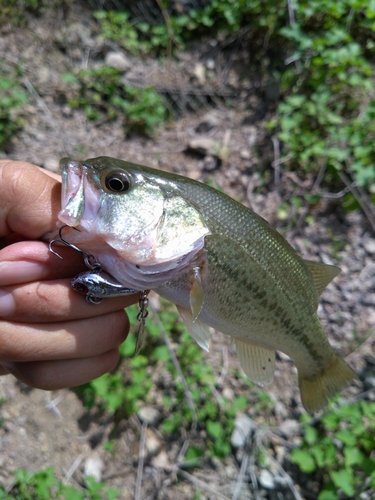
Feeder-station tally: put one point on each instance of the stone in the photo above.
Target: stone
(118, 61)
(204, 146)
(369, 246)
(209, 121)
(289, 428)
(148, 414)
(266, 480)
(153, 444)
(52, 164)
(94, 467)
(243, 426)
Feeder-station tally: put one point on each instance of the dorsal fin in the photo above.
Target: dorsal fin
(197, 329)
(257, 362)
(321, 274)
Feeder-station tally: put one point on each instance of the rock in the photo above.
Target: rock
(209, 121)
(161, 461)
(266, 480)
(289, 428)
(204, 146)
(94, 467)
(243, 426)
(118, 61)
(369, 383)
(245, 154)
(148, 414)
(369, 246)
(153, 444)
(52, 164)
(199, 72)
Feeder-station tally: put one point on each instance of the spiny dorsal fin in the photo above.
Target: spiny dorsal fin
(197, 329)
(257, 362)
(322, 274)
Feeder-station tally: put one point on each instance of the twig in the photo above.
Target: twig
(167, 19)
(362, 198)
(51, 404)
(276, 161)
(241, 476)
(177, 367)
(141, 461)
(224, 371)
(292, 18)
(72, 469)
(260, 445)
(36, 96)
(201, 484)
(253, 477)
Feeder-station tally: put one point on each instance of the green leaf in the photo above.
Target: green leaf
(343, 479)
(303, 459)
(214, 429)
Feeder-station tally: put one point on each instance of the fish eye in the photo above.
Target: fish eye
(117, 182)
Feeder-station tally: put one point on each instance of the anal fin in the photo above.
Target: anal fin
(257, 362)
(197, 329)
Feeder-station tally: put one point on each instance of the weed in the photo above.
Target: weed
(43, 485)
(340, 450)
(12, 98)
(100, 93)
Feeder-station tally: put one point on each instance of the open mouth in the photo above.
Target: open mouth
(72, 196)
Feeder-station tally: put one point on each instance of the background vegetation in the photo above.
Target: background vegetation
(320, 56)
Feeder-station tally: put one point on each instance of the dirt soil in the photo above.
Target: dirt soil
(40, 428)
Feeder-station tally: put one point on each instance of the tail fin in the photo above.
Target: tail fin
(316, 391)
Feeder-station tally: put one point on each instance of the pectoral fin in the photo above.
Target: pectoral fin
(196, 297)
(322, 274)
(257, 362)
(197, 329)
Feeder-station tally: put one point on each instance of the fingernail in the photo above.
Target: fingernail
(7, 305)
(13, 273)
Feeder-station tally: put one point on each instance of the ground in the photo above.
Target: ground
(40, 428)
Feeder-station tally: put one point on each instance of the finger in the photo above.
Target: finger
(28, 261)
(30, 200)
(66, 340)
(54, 301)
(53, 375)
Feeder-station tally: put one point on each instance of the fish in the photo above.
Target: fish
(219, 262)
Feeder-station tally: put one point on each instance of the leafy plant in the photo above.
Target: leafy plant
(326, 120)
(12, 97)
(102, 96)
(339, 450)
(14, 10)
(43, 485)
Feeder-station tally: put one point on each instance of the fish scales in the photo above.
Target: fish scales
(222, 264)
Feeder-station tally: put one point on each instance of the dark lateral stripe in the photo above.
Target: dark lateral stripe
(280, 315)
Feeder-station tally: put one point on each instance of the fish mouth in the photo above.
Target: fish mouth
(72, 194)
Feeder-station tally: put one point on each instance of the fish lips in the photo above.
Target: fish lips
(79, 200)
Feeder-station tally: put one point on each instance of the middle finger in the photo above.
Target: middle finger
(54, 301)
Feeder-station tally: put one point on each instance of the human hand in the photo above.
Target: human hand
(50, 337)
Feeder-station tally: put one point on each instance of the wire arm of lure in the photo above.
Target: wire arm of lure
(89, 259)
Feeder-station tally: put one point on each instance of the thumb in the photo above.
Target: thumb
(30, 200)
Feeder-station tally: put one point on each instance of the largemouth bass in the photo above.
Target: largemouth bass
(221, 263)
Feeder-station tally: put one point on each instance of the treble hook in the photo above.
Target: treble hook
(89, 259)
